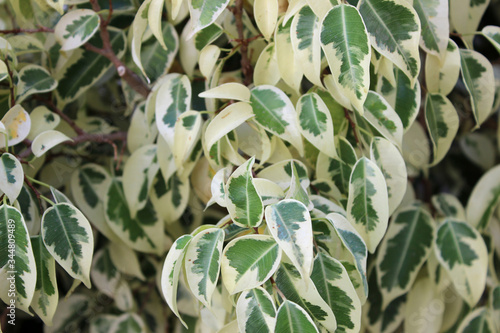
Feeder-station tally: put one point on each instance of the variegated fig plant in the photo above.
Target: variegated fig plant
(249, 166)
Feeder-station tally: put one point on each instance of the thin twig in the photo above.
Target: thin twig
(26, 31)
(353, 125)
(11, 82)
(246, 66)
(67, 119)
(33, 188)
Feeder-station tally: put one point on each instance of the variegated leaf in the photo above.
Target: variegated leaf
(67, 235)
(334, 169)
(138, 174)
(316, 123)
(142, 233)
(368, 203)
(11, 176)
(302, 291)
(255, 311)
(269, 191)
(461, 250)
(290, 224)
(230, 90)
(495, 306)
(296, 191)
(125, 259)
(466, 15)
(266, 71)
(171, 272)
(477, 73)
(207, 60)
(275, 112)
(69, 312)
(478, 321)
(46, 141)
(281, 173)
(139, 26)
(483, 199)
(382, 116)
(333, 284)
(75, 28)
(394, 30)
(4, 73)
(46, 296)
(441, 74)
(345, 43)
(403, 251)
(249, 261)
(17, 123)
(448, 206)
(358, 254)
(173, 99)
(391, 163)
(403, 96)
(416, 148)
(155, 11)
(226, 121)
(242, 200)
(205, 12)
(433, 16)
(420, 314)
(128, 322)
(202, 262)
(104, 274)
(305, 37)
(266, 16)
(478, 148)
(492, 33)
(17, 263)
(155, 59)
(28, 204)
(42, 120)
(34, 79)
(292, 318)
(288, 63)
(187, 131)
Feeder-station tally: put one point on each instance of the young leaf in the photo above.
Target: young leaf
(46, 141)
(435, 27)
(394, 30)
(76, 28)
(477, 74)
(205, 12)
(403, 251)
(155, 11)
(242, 200)
(266, 71)
(442, 122)
(11, 176)
(461, 250)
(275, 112)
(46, 294)
(296, 191)
(368, 204)
(465, 16)
(42, 120)
(334, 285)
(249, 261)
(67, 235)
(266, 15)
(226, 121)
(292, 318)
(269, 191)
(17, 263)
(288, 63)
(345, 43)
(187, 131)
(255, 311)
(202, 262)
(290, 224)
(231, 90)
(139, 26)
(483, 199)
(171, 272)
(17, 124)
(316, 123)
(441, 74)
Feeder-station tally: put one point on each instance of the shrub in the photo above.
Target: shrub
(252, 166)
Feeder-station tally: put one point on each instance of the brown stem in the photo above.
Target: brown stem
(276, 287)
(26, 31)
(67, 119)
(123, 71)
(11, 83)
(33, 188)
(353, 125)
(246, 66)
(106, 23)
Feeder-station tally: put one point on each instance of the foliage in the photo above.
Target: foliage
(249, 165)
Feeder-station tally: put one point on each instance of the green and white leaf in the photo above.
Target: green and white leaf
(442, 123)
(208, 59)
(281, 173)
(46, 141)
(478, 321)
(433, 16)
(17, 261)
(416, 149)
(205, 12)
(391, 163)
(139, 26)
(230, 90)
(402, 95)
(290, 224)
(34, 79)
(42, 119)
(335, 169)
(75, 28)
(67, 235)
(323, 206)
(46, 296)
(69, 312)
(441, 74)
(368, 203)
(138, 175)
(305, 38)
(266, 71)
(302, 291)
(242, 200)
(296, 191)
(403, 251)
(155, 59)
(288, 63)
(17, 123)
(465, 16)
(333, 283)
(11, 176)
(484, 199)
(477, 73)
(202, 263)
(171, 273)
(461, 250)
(420, 315)
(187, 131)
(269, 191)
(492, 33)
(266, 16)
(128, 322)
(4, 73)
(104, 274)
(125, 259)
(448, 206)
(292, 318)
(344, 41)
(249, 261)
(394, 30)
(155, 11)
(142, 233)
(28, 205)
(495, 306)
(316, 123)
(226, 121)
(382, 116)
(478, 148)
(275, 112)
(255, 311)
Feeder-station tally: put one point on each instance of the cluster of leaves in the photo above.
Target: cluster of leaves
(265, 165)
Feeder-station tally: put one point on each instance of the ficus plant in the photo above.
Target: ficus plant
(249, 166)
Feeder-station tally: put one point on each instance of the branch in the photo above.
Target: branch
(123, 71)
(353, 125)
(67, 119)
(246, 66)
(11, 83)
(26, 31)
